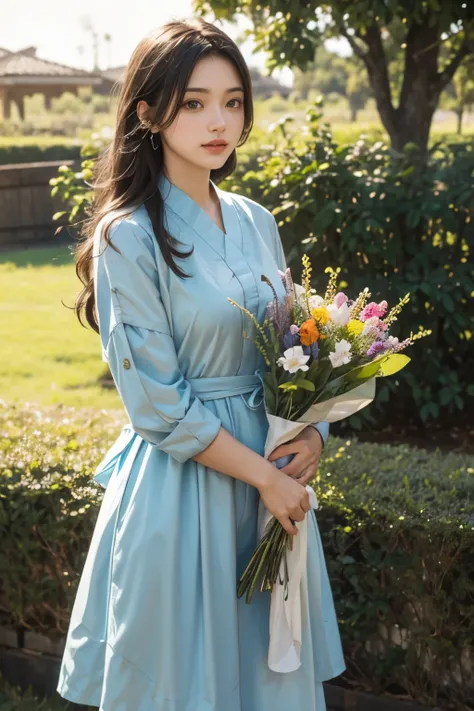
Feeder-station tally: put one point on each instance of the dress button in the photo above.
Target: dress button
(126, 363)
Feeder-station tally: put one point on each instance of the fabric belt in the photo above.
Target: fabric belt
(229, 385)
(205, 389)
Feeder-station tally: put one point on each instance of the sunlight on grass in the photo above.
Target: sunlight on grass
(47, 356)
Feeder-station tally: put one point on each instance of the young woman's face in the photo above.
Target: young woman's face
(216, 113)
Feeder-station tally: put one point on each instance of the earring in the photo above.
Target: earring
(146, 123)
(155, 148)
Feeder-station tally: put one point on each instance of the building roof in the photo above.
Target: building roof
(113, 73)
(24, 65)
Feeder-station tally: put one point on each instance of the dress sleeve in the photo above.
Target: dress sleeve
(321, 427)
(138, 345)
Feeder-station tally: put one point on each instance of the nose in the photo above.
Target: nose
(217, 122)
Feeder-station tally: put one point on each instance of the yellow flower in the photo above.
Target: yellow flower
(321, 315)
(354, 327)
(309, 333)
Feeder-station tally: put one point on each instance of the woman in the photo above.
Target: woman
(156, 624)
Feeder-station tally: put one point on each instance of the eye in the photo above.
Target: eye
(191, 101)
(195, 101)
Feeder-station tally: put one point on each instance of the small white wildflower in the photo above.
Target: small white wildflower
(293, 359)
(342, 354)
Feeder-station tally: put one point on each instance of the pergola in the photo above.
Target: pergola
(22, 74)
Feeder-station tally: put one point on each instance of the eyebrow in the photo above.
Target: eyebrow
(208, 91)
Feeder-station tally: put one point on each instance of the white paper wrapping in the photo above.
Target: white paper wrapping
(284, 652)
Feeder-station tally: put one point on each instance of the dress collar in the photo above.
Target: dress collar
(197, 218)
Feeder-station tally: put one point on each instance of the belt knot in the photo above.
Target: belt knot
(258, 390)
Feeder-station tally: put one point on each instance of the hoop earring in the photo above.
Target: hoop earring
(155, 148)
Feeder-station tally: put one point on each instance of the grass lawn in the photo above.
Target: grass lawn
(47, 356)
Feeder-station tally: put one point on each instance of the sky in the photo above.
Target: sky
(56, 28)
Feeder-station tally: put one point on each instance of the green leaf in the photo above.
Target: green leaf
(306, 385)
(288, 386)
(393, 363)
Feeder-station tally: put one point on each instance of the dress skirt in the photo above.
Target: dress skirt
(156, 623)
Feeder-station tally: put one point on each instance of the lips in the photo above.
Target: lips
(216, 143)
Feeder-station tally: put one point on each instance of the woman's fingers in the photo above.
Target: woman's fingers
(305, 476)
(289, 525)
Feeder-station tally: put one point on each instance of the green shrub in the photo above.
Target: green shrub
(12, 698)
(28, 153)
(396, 524)
(48, 508)
(391, 223)
(397, 529)
(67, 103)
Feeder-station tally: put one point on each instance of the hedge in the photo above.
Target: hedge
(396, 524)
(33, 153)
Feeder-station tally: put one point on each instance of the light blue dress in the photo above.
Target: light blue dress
(156, 623)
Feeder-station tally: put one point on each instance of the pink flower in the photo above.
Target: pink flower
(373, 309)
(374, 323)
(340, 299)
(294, 329)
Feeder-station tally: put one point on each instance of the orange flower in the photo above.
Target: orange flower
(309, 333)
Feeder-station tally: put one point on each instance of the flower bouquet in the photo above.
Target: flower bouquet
(322, 356)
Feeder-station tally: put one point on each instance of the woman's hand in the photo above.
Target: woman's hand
(307, 446)
(285, 500)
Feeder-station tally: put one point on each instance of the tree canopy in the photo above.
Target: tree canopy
(435, 37)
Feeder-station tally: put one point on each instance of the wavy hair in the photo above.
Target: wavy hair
(126, 174)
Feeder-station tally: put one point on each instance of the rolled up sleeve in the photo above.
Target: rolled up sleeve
(138, 345)
(322, 427)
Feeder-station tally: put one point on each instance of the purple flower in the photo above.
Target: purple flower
(376, 347)
(312, 350)
(290, 339)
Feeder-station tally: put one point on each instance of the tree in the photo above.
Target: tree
(330, 73)
(357, 92)
(327, 73)
(290, 31)
(461, 92)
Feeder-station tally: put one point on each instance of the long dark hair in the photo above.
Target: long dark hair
(126, 174)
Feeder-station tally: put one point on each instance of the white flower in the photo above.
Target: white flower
(314, 300)
(293, 359)
(339, 316)
(342, 354)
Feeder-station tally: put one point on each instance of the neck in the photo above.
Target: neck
(194, 182)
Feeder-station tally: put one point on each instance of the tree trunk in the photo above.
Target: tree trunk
(415, 116)
(459, 114)
(411, 121)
